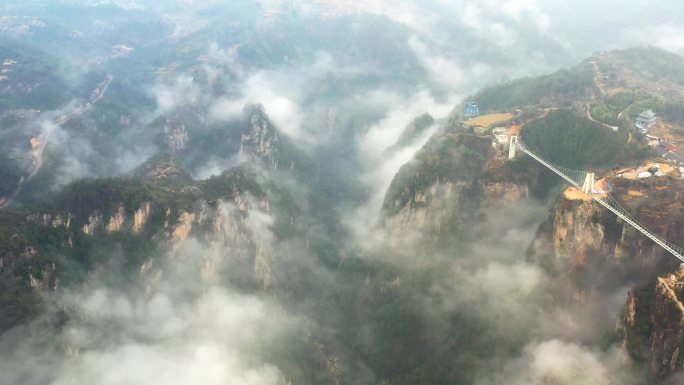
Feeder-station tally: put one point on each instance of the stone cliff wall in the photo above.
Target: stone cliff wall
(653, 325)
(438, 197)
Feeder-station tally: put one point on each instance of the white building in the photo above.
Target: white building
(646, 120)
(500, 137)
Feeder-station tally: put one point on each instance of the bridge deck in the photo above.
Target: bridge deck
(576, 178)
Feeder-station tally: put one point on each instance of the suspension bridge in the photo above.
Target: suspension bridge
(585, 181)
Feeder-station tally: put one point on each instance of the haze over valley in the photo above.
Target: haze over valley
(341, 192)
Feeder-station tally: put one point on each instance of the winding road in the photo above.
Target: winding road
(37, 150)
(588, 108)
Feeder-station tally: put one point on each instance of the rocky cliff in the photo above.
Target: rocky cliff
(590, 252)
(261, 140)
(440, 194)
(586, 246)
(179, 126)
(667, 337)
(653, 324)
(158, 207)
(147, 217)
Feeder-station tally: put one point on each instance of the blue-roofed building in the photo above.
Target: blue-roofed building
(645, 120)
(472, 110)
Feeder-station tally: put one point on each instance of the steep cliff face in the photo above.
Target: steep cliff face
(138, 225)
(577, 233)
(438, 196)
(589, 251)
(223, 216)
(178, 127)
(507, 182)
(667, 338)
(261, 140)
(587, 246)
(140, 217)
(176, 136)
(506, 191)
(635, 322)
(435, 194)
(653, 325)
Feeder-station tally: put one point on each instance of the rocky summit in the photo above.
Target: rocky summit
(329, 192)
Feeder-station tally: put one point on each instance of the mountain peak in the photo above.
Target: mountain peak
(165, 171)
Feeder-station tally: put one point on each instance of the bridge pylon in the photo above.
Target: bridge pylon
(588, 186)
(575, 176)
(512, 145)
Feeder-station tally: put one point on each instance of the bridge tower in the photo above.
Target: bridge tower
(588, 185)
(512, 146)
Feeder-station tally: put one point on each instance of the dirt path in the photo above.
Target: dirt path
(588, 108)
(597, 75)
(542, 116)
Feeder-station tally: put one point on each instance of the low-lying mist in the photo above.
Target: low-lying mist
(351, 296)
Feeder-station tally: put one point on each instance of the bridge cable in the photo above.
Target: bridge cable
(577, 177)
